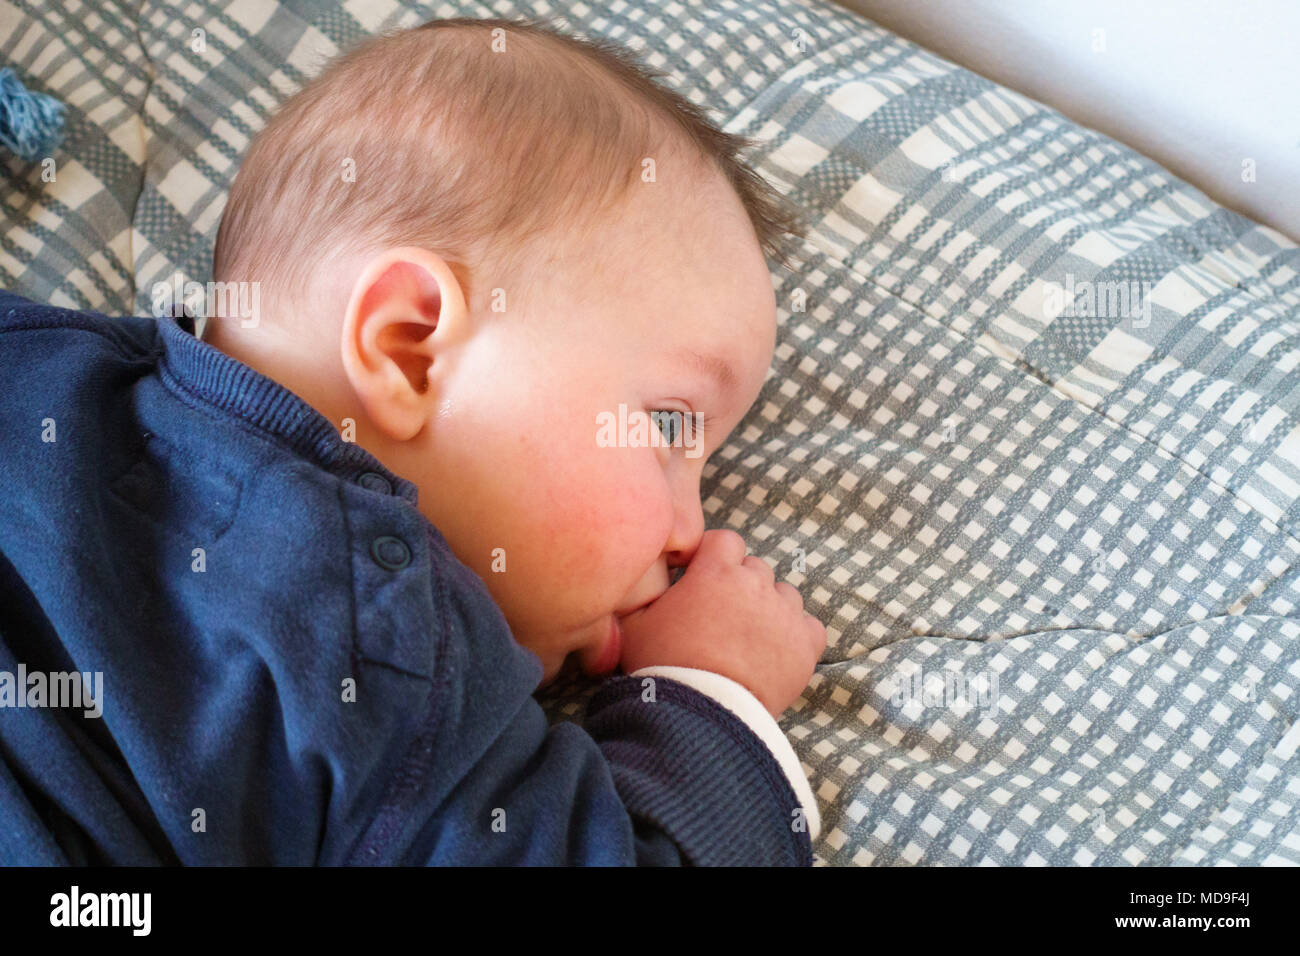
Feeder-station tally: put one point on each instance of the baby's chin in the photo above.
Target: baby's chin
(596, 656)
(556, 664)
(551, 672)
(573, 664)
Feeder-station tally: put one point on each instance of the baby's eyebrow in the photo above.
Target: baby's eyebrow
(709, 365)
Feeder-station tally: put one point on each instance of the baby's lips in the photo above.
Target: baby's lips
(602, 658)
(605, 658)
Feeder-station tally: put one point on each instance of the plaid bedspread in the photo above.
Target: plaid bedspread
(1030, 445)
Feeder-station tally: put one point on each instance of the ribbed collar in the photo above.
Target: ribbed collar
(233, 387)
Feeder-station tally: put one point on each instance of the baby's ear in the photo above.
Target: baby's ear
(406, 306)
(412, 284)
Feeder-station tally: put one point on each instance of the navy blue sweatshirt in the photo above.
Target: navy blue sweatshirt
(289, 664)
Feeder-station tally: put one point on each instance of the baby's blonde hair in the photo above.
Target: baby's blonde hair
(462, 150)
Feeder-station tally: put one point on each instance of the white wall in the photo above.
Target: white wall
(1197, 85)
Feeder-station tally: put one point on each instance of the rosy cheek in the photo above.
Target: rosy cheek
(607, 510)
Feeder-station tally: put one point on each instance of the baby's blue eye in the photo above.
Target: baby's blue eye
(669, 422)
(674, 424)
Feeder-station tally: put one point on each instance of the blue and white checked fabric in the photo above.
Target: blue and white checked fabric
(1030, 444)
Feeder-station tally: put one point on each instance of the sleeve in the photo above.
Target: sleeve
(661, 775)
(741, 702)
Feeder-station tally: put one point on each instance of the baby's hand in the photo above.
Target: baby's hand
(728, 614)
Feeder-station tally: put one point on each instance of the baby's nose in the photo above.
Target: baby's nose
(685, 538)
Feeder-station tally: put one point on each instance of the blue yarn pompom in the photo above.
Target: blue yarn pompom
(31, 124)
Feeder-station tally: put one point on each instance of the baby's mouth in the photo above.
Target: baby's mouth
(603, 657)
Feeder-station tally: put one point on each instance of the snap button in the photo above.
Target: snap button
(374, 482)
(390, 553)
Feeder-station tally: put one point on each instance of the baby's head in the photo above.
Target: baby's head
(483, 242)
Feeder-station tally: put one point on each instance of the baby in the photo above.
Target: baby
(472, 242)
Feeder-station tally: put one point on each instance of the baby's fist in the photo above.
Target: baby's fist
(728, 614)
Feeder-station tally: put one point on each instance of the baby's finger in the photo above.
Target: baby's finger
(721, 546)
(790, 593)
(760, 567)
(817, 638)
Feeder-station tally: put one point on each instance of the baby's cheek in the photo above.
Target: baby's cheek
(611, 510)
